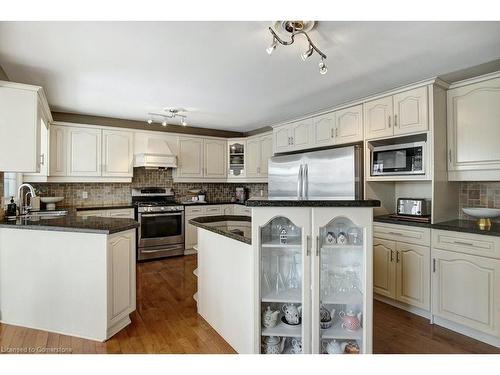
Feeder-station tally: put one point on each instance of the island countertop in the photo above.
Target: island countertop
(73, 223)
(269, 202)
(236, 227)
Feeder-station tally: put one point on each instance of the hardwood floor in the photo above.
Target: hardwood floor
(166, 322)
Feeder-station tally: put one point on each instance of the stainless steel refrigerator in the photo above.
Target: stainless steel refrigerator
(333, 174)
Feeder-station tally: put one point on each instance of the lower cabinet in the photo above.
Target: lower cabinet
(401, 271)
(124, 213)
(466, 290)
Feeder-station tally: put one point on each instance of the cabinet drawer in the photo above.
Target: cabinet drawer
(190, 211)
(403, 233)
(213, 210)
(99, 213)
(467, 243)
(127, 213)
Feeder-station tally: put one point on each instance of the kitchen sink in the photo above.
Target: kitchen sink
(40, 215)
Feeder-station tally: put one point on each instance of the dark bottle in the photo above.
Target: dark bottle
(11, 208)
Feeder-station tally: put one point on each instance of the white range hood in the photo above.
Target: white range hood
(157, 155)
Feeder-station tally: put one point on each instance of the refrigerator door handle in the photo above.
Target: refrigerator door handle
(304, 182)
(299, 182)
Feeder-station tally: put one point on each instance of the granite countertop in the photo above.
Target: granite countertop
(104, 207)
(73, 223)
(467, 226)
(238, 228)
(269, 202)
(392, 220)
(209, 203)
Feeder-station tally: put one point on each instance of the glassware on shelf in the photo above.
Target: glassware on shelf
(279, 285)
(341, 234)
(355, 237)
(293, 279)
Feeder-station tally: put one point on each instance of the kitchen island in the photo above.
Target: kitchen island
(70, 275)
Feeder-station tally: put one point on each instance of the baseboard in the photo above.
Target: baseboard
(118, 326)
(403, 306)
(190, 251)
(480, 336)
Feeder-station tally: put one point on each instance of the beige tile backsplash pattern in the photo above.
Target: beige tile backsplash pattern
(114, 193)
(479, 194)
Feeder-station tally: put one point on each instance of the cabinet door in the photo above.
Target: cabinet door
(301, 134)
(349, 125)
(117, 153)
(410, 111)
(378, 118)
(282, 139)
(58, 151)
(191, 233)
(126, 213)
(413, 275)
(384, 267)
(466, 290)
(266, 153)
(473, 127)
(324, 130)
(215, 158)
(84, 151)
(253, 157)
(190, 158)
(236, 158)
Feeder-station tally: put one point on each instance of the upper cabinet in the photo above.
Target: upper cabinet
(474, 131)
(236, 158)
(84, 152)
(23, 112)
(117, 153)
(301, 134)
(349, 125)
(201, 159)
(324, 130)
(259, 151)
(402, 113)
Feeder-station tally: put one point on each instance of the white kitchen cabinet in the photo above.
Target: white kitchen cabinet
(474, 131)
(401, 264)
(42, 175)
(301, 134)
(282, 139)
(378, 118)
(239, 209)
(324, 130)
(215, 158)
(410, 111)
(466, 290)
(58, 151)
(190, 157)
(259, 151)
(236, 159)
(124, 213)
(294, 262)
(349, 125)
(402, 113)
(84, 151)
(23, 112)
(117, 153)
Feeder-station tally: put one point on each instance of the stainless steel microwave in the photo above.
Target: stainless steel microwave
(399, 159)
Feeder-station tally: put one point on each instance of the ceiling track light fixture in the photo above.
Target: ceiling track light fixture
(297, 28)
(170, 113)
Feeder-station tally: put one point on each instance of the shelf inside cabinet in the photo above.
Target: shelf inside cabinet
(289, 296)
(294, 244)
(337, 332)
(283, 330)
(342, 247)
(343, 299)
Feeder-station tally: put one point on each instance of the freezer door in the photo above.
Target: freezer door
(330, 174)
(284, 179)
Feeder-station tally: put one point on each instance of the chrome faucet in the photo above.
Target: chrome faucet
(24, 208)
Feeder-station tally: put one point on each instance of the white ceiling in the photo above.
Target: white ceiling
(220, 71)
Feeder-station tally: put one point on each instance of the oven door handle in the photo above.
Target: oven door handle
(163, 248)
(162, 214)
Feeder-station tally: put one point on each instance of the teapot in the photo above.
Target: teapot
(273, 345)
(292, 313)
(270, 318)
(326, 317)
(350, 320)
(350, 347)
(332, 347)
(296, 346)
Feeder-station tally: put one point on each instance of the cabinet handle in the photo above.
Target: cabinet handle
(433, 265)
(463, 243)
(308, 245)
(395, 233)
(336, 132)
(397, 256)
(395, 120)
(392, 256)
(449, 155)
(42, 159)
(389, 122)
(332, 133)
(291, 138)
(317, 246)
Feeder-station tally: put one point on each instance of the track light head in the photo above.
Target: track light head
(304, 56)
(272, 46)
(164, 123)
(150, 121)
(183, 122)
(323, 69)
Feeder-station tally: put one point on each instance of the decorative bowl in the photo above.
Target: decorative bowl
(51, 202)
(484, 215)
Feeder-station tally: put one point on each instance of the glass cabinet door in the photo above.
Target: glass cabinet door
(236, 159)
(281, 286)
(341, 284)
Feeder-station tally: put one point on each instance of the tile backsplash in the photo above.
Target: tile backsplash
(479, 194)
(114, 193)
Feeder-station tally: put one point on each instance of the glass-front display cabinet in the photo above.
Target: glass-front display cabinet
(314, 280)
(236, 158)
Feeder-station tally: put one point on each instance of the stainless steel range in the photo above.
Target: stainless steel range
(161, 233)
